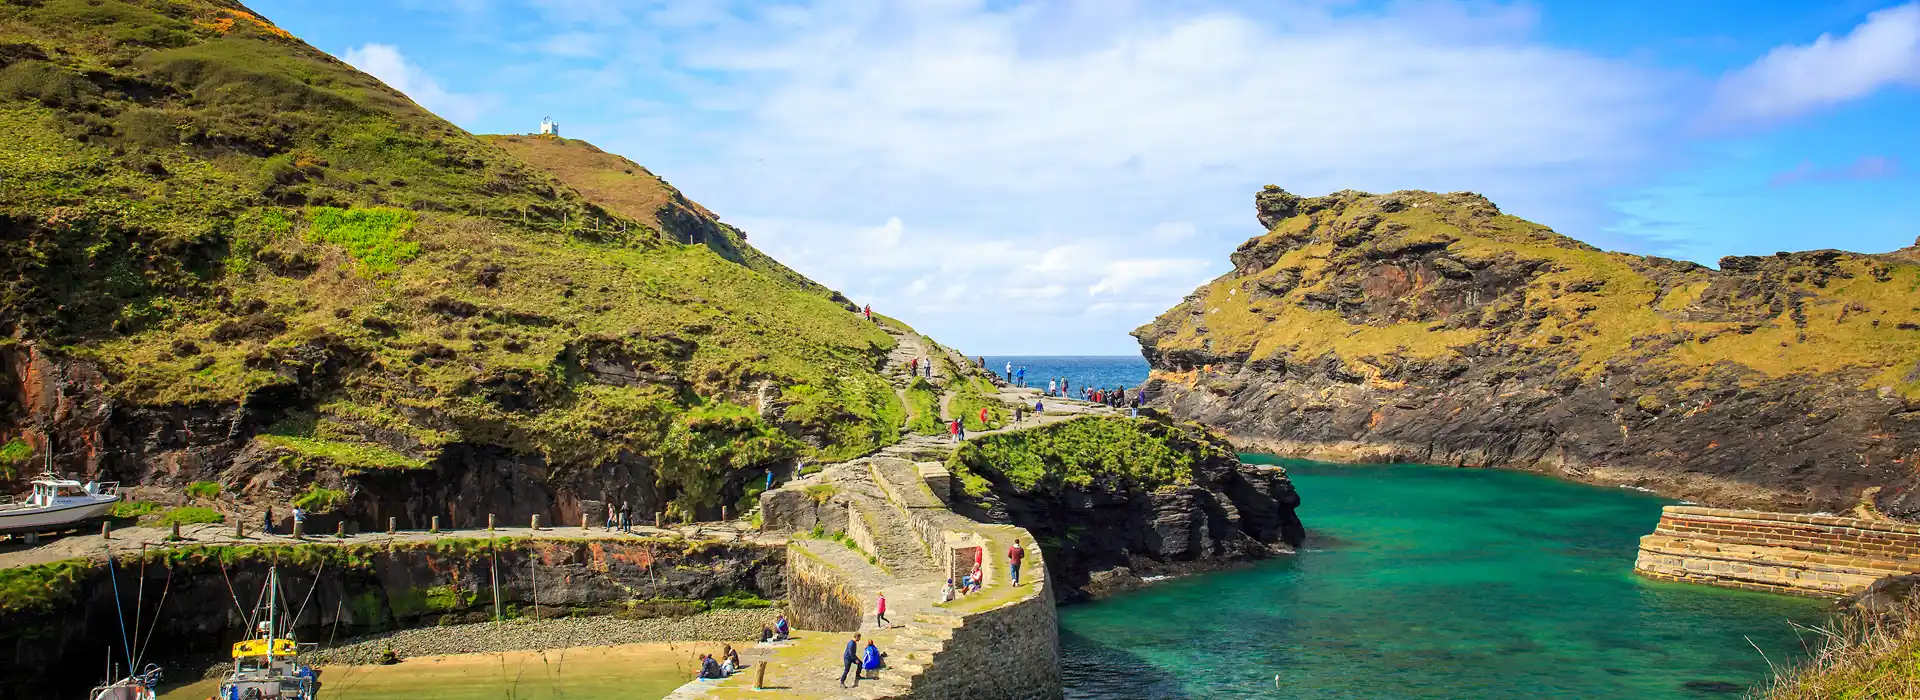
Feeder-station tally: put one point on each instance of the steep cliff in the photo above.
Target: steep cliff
(1432, 328)
(1115, 499)
(226, 256)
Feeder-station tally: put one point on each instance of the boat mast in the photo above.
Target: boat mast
(273, 606)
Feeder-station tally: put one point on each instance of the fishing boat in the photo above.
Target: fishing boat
(268, 667)
(139, 687)
(58, 504)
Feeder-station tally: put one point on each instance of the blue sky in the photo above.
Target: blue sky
(1040, 177)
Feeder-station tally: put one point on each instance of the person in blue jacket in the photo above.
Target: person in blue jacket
(850, 660)
(871, 662)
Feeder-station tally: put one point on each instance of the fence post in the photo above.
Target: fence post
(435, 527)
(392, 524)
(536, 521)
(489, 522)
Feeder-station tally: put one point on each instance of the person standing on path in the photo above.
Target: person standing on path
(266, 521)
(299, 519)
(626, 517)
(868, 311)
(1018, 410)
(880, 612)
(1009, 372)
(983, 417)
(1014, 555)
(613, 516)
(953, 432)
(850, 659)
(1052, 386)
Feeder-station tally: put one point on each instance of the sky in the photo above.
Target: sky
(1044, 176)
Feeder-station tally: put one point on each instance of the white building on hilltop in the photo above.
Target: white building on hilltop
(549, 127)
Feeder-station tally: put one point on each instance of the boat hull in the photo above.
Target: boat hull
(52, 519)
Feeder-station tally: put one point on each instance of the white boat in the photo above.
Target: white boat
(140, 687)
(267, 667)
(56, 504)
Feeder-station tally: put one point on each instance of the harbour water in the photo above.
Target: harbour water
(1432, 582)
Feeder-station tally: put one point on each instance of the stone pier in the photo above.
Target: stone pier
(1816, 555)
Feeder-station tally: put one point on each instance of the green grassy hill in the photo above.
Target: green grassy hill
(233, 257)
(1432, 327)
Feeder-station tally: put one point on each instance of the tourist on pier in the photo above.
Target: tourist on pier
(266, 521)
(1052, 386)
(871, 661)
(299, 521)
(1023, 377)
(850, 659)
(880, 612)
(710, 668)
(626, 517)
(1009, 372)
(613, 516)
(781, 630)
(1014, 555)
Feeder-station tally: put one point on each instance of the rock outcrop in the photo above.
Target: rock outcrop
(1189, 507)
(1432, 328)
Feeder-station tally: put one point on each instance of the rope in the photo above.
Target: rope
(156, 614)
(235, 595)
(316, 584)
(117, 611)
(140, 603)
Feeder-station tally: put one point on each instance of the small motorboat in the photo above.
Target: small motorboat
(140, 687)
(58, 504)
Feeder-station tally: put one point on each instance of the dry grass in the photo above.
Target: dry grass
(1861, 656)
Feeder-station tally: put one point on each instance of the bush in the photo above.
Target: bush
(14, 455)
(377, 237)
(203, 490)
(192, 515)
(1863, 655)
(319, 499)
(132, 509)
(740, 599)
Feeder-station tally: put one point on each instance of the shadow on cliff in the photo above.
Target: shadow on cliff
(1093, 670)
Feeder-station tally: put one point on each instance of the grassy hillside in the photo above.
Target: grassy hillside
(1378, 280)
(219, 217)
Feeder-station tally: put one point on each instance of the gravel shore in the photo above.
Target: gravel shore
(560, 633)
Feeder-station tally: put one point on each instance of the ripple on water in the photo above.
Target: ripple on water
(1428, 582)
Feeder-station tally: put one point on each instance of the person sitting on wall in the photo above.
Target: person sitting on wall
(870, 661)
(979, 579)
(780, 629)
(709, 668)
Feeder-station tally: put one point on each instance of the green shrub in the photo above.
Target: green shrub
(40, 586)
(191, 515)
(203, 490)
(740, 599)
(375, 236)
(132, 509)
(14, 455)
(1121, 453)
(319, 499)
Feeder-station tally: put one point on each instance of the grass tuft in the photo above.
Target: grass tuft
(1861, 656)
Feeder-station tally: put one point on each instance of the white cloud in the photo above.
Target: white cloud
(385, 62)
(1792, 80)
(1108, 148)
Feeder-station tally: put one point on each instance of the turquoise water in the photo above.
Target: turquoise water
(1430, 582)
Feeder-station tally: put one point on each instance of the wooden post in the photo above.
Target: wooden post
(723, 514)
(393, 523)
(760, 677)
(299, 529)
(239, 529)
(656, 519)
(536, 521)
(435, 527)
(340, 529)
(489, 522)
(106, 531)
(175, 537)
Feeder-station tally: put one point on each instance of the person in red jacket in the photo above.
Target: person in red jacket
(983, 417)
(953, 431)
(1014, 555)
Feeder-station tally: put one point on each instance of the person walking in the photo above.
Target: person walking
(953, 432)
(1014, 555)
(850, 659)
(1019, 410)
(266, 521)
(868, 311)
(613, 516)
(626, 517)
(913, 367)
(880, 612)
(983, 417)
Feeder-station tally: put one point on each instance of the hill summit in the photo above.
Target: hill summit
(226, 256)
(1425, 327)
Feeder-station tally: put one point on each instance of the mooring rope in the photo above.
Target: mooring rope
(117, 610)
(316, 584)
(235, 595)
(156, 614)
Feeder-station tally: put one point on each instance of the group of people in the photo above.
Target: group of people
(779, 632)
(861, 663)
(721, 666)
(1117, 397)
(622, 518)
(1015, 376)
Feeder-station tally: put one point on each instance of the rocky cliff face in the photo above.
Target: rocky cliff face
(1431, 328)
(1173, 499)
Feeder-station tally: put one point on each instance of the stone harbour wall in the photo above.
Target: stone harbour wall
(819, 597)
(1780, 552)
(1011, 651)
